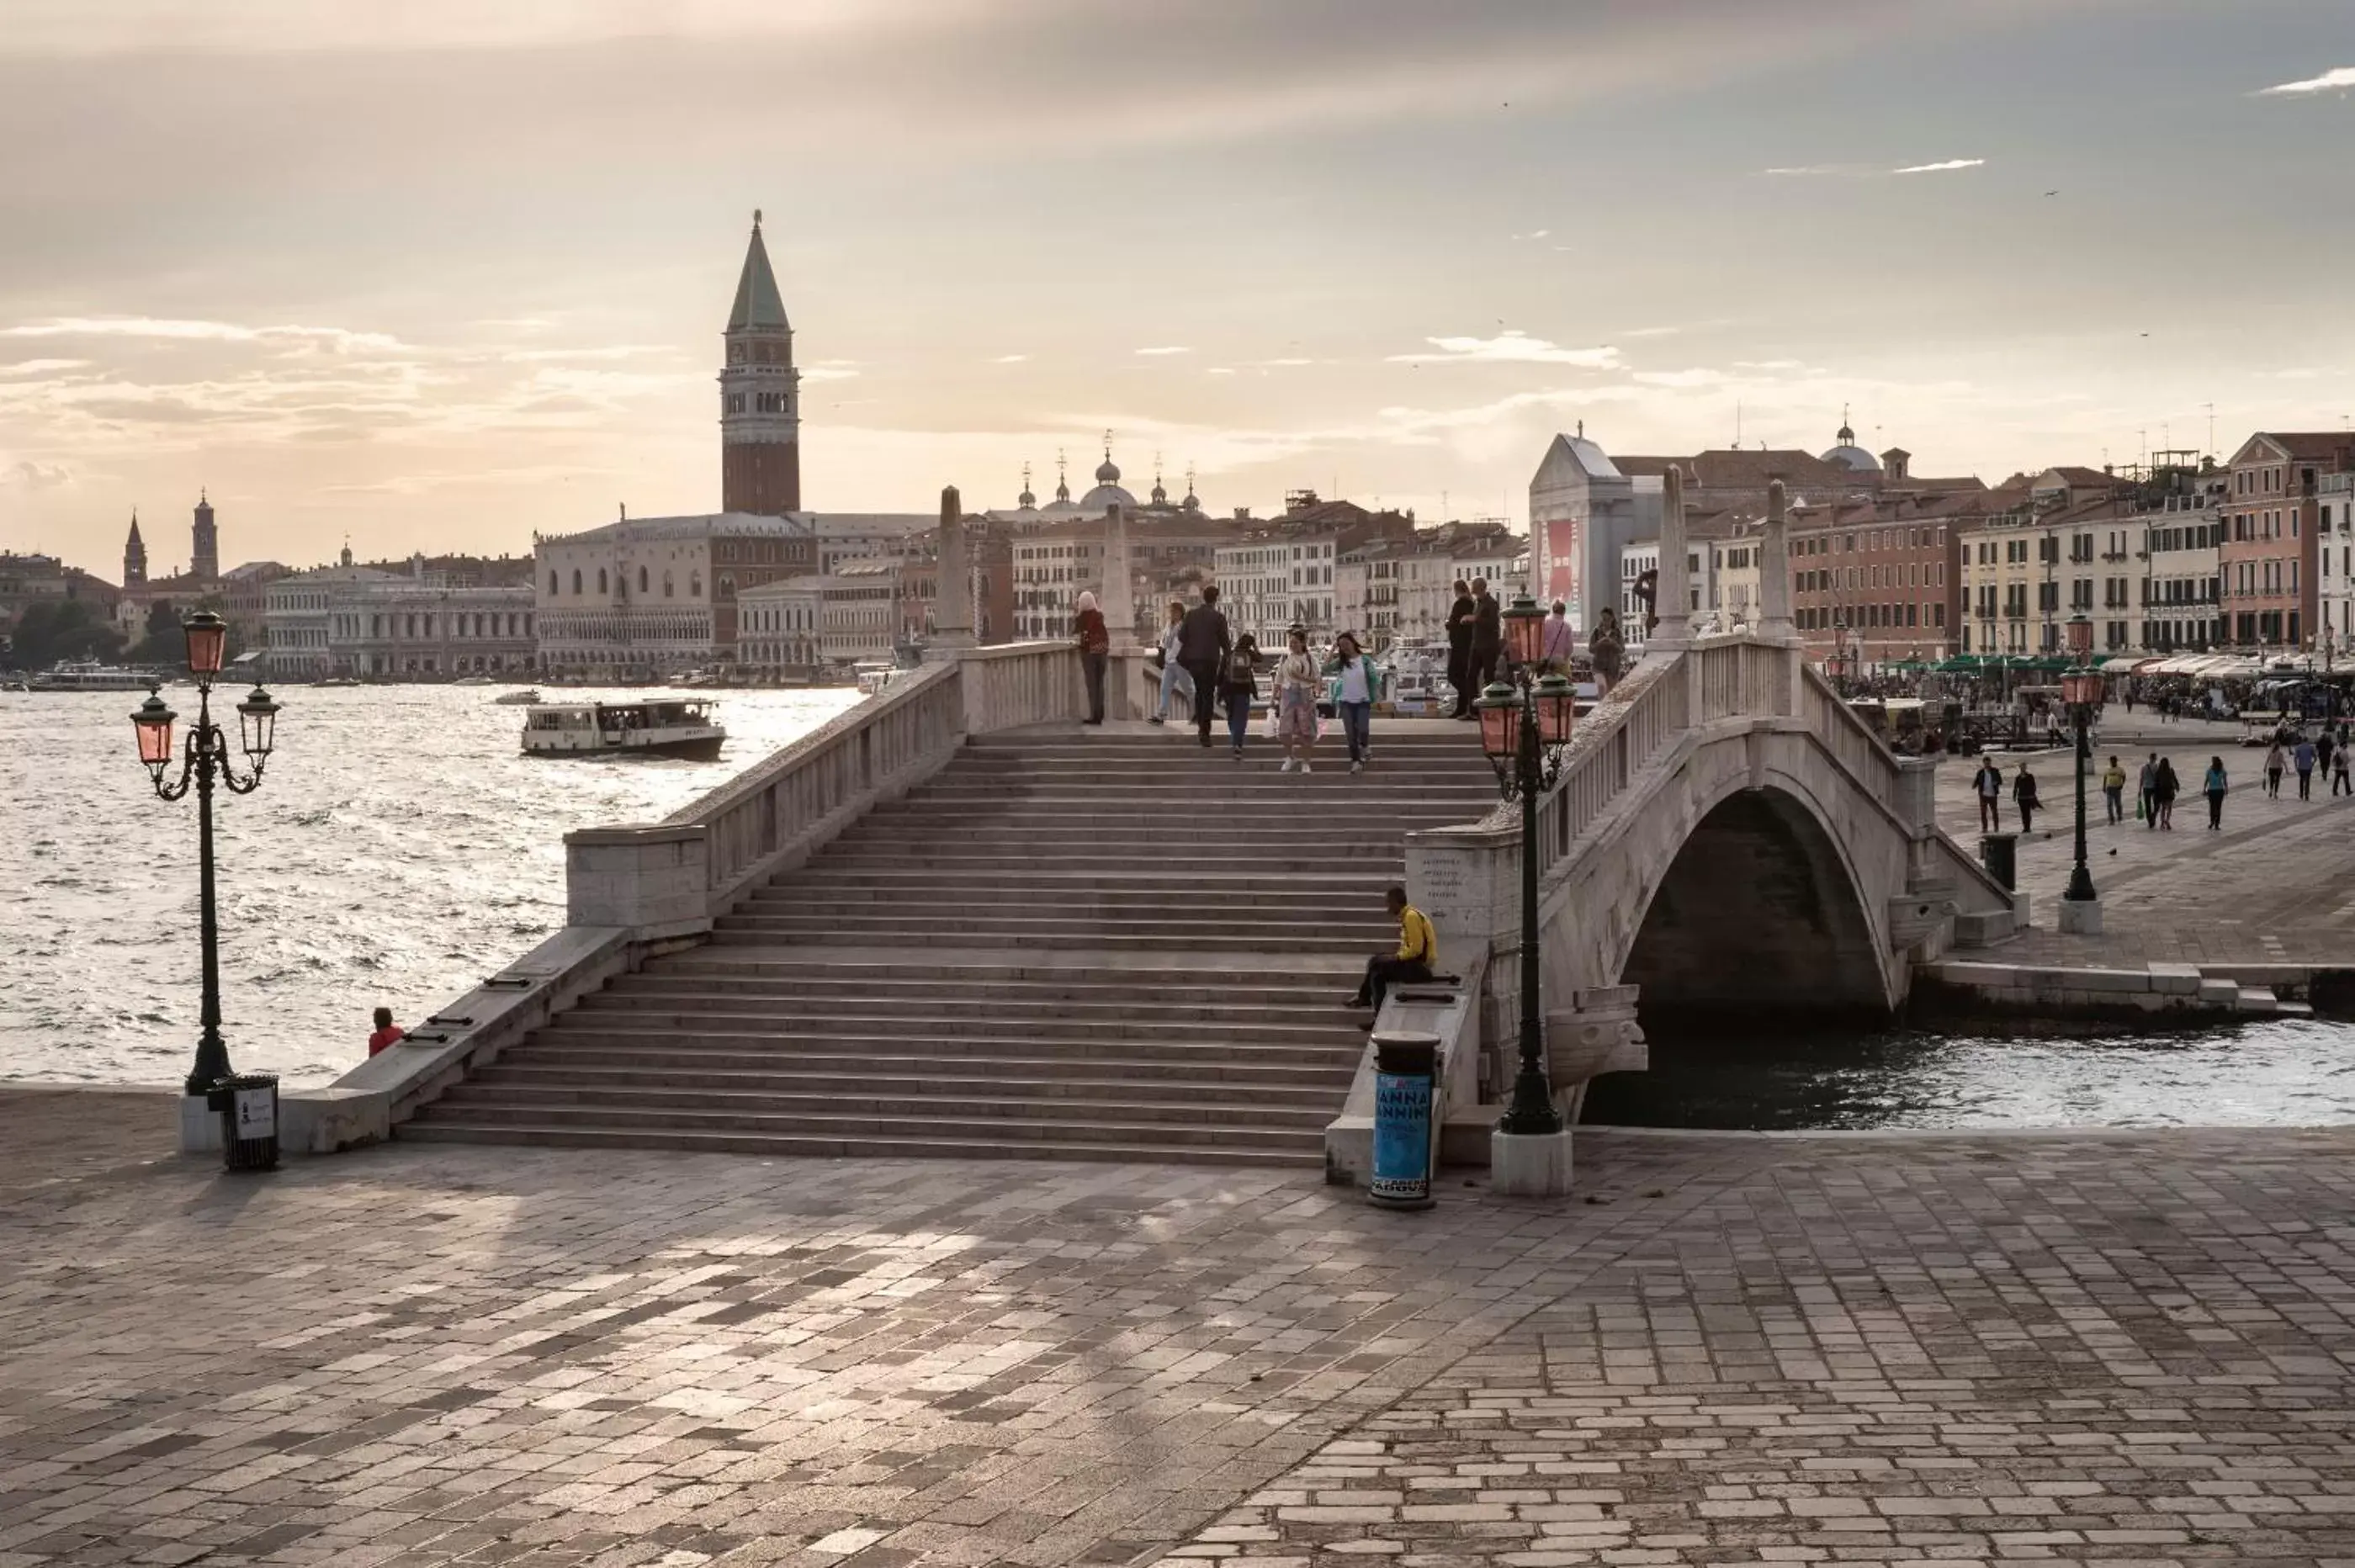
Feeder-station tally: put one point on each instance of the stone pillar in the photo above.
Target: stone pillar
(1118, 601)
(1672, 591)
(953, 600)
(1775, 568)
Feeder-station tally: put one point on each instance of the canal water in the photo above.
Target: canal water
(401, 848)
(2266, 1072)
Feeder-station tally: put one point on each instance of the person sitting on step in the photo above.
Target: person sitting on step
(1418, 951)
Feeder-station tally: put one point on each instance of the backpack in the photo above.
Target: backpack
(1239, 668)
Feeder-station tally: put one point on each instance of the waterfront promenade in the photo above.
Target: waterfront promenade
(2058, 1347)
(2276, 885)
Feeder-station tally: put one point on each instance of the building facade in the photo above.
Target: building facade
(2334, 540)
(1877, 582)
(657, 595)
(2271, 515)
(1283, 573)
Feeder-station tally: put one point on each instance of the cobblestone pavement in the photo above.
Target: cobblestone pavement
(2276, 885)
(1734, 1348)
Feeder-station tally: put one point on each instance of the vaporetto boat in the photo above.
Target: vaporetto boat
(657, 727)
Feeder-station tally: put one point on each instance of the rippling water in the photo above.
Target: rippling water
(2268, 1072)
(401, 848)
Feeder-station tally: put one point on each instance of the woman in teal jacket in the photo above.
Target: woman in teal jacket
(1355, 685)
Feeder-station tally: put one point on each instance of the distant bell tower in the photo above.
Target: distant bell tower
(759, 397)
(135, 556)
(204, 555)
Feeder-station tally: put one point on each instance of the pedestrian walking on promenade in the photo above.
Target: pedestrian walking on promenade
(1238, 686)
(2324, 745)
(1095, 651)
(2302, 756)
(1987, 784)
(1175, 680)
(1561, 642)
(1417, 955)
(2339, 785)
(1487, 637)
(2146, 789)
(2113, 789)
(1460, 616)
(2164, 789)
(1608, 651)
(1358, 685)
(2276, 761)
(1298, 683)
(2023, 794)
(2214, 787)
(1203, 646)
(387, 1033)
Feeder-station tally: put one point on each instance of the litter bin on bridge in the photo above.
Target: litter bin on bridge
(248, 1104)
(1406, 1120)
(1999, 853)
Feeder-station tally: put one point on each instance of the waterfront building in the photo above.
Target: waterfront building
(644, 596)
(1170, 555)
(1583, 510)
(2271, 517)
(2334, 535)
(29, 579)
(1281, 573)
(803, 625)
(295, 617)
(1880, 581)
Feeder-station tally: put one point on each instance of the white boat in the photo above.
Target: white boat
(874, 674)
(528, 698)
(338, 681)
(88, 674)
(1416, 680)
(473, 680)
(651, 727)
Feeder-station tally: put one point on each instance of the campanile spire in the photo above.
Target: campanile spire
(759, 396)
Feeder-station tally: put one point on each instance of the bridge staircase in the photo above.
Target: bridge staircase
(1063, 942)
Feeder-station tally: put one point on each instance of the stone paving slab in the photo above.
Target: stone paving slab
(1728, 1348)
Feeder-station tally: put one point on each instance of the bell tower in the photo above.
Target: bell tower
(135, 556)
(203, 553)
(759, 397)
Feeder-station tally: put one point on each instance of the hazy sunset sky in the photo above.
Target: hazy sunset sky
(439, 274)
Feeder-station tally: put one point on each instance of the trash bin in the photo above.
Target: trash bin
(248, 1104)
(1999, 853)
(1405, 1073)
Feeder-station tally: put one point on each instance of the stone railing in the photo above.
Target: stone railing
(1645, 711)
(632, 891)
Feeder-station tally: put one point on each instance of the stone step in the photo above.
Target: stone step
(1106, 1002)
(848, 1072)
(921, 880)
(1014, 1128)
(1142, 849)
(913, 1143)
(915, 930)
(1181, 1107)
(716, 1050)
(755, 1017)
(1016, 893)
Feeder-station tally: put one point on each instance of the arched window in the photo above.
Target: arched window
(551, 585)
(576, 583)
(642, 580)
(666, 593)
(600, 580)
(695, 585)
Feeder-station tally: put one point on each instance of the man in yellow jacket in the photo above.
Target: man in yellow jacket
(1417, 955)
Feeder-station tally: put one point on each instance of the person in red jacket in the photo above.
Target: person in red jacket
(1095, 651)
(387, 1033)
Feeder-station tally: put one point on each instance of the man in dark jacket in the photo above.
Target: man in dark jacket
(1460, 616)
(1487, 637)
(1204, 644)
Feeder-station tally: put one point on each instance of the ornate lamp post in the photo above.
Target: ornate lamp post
(204, 755)
(2081, 689)
(1524, 725)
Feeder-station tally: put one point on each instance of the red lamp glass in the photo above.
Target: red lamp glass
(2081, 634)
(2082, 688)
(1500, 722)
(152, 723)
(207, 636)
(1557, 709)
(1524, 631)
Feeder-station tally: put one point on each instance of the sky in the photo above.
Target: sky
(435, 275)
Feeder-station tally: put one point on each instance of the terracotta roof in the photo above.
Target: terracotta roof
(2316, 447)
(2075, 475)
(1726, 468)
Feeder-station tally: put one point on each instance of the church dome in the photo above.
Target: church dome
(1107, 472)
(1107, 494)
(1851, 456)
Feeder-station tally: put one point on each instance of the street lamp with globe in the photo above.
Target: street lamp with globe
(1525, 724)
(204, 757)
(2080, 688)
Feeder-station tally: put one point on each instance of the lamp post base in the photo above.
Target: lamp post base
(2081, 917)
(200, 1131)
(1530, 1164)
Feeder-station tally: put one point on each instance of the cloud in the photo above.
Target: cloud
(1287, 360)
(1808, 171)
(2339, 78)
(303, 338)
(41, 367)
(1511, 347)
(1867, 171)
(1941, 168)
(1156, 353)
(830, 370)
(1010, 359)
(28, 474)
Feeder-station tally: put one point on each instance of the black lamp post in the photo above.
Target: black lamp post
(204, 755)
(2081, 689)
(1524, 724)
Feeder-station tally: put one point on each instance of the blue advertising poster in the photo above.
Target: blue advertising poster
(1401, 1137)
